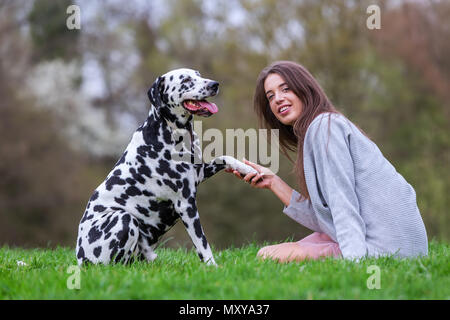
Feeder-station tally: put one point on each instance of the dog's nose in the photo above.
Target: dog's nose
(213, 86)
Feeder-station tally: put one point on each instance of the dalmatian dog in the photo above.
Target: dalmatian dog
(154, 183)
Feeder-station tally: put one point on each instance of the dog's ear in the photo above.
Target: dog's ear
(155, 93)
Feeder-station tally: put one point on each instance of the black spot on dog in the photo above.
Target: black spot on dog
(192, 212)
(114, 180)
(130, 181)
(141, 160)
(168, 115)
(165, 98)
(186, 190)
(167, 136)
(133, 191)
(80, 254)
(123, 234)
(109, 225)
(119, 256)
(167, 214)
(113, 247)
(122, 159)
(205, 243)
(145, 171)
(146, 151)
(120, 201)
(198, 228)
(117, 172)
(147, 193)
(150, 131)
(171, 185)
(86, 217)
(185, 165)
(164, 167)
(142, 210)
(154, 206)
(94, 234)
(94, 196)
(180, 168)
(167, 155)
(136, 176)
(99, 208)
(97, 252)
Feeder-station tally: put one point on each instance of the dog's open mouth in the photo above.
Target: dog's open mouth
(200, 107)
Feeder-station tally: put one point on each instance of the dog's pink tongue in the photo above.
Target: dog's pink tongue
(210, 106)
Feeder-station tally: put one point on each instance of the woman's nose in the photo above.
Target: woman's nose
(279, 97)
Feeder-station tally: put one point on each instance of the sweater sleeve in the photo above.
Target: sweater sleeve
(302, 212)
(330, 149)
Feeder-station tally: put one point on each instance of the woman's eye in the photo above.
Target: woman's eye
(270, 97)
(285, 89)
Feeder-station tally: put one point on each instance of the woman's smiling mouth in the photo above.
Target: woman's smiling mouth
(284, 109)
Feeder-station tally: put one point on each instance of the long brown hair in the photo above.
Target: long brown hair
(314, 101)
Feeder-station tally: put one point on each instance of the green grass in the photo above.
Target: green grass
(178, 274)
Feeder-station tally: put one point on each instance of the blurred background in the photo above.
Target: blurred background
(70, 99)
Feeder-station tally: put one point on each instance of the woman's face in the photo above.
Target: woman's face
(285, 105)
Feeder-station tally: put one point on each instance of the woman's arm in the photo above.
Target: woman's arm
(329, 165)
(281, 189)
(299, 211)
(266, 179)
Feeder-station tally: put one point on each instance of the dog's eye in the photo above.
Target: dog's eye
(185, 80)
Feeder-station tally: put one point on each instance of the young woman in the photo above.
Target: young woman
(349, 194)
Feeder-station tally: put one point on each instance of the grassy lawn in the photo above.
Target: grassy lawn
(178, 274)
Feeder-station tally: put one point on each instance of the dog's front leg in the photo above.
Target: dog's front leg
(190, 217)
(211, 168)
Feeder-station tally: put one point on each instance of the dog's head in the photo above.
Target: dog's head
(182, 92)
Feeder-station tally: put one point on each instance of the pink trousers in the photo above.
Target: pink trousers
(315, 246)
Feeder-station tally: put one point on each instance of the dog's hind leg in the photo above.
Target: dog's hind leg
(111, 237)
(145, 250)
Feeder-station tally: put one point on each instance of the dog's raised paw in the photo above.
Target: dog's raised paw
(244, 169)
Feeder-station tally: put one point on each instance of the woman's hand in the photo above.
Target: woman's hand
(262, 180)
(266, 179)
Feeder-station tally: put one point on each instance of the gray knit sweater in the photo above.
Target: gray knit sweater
(357, 197)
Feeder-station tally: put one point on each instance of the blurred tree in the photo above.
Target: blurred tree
(43, 182)
(415, 83)
(50, 36)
